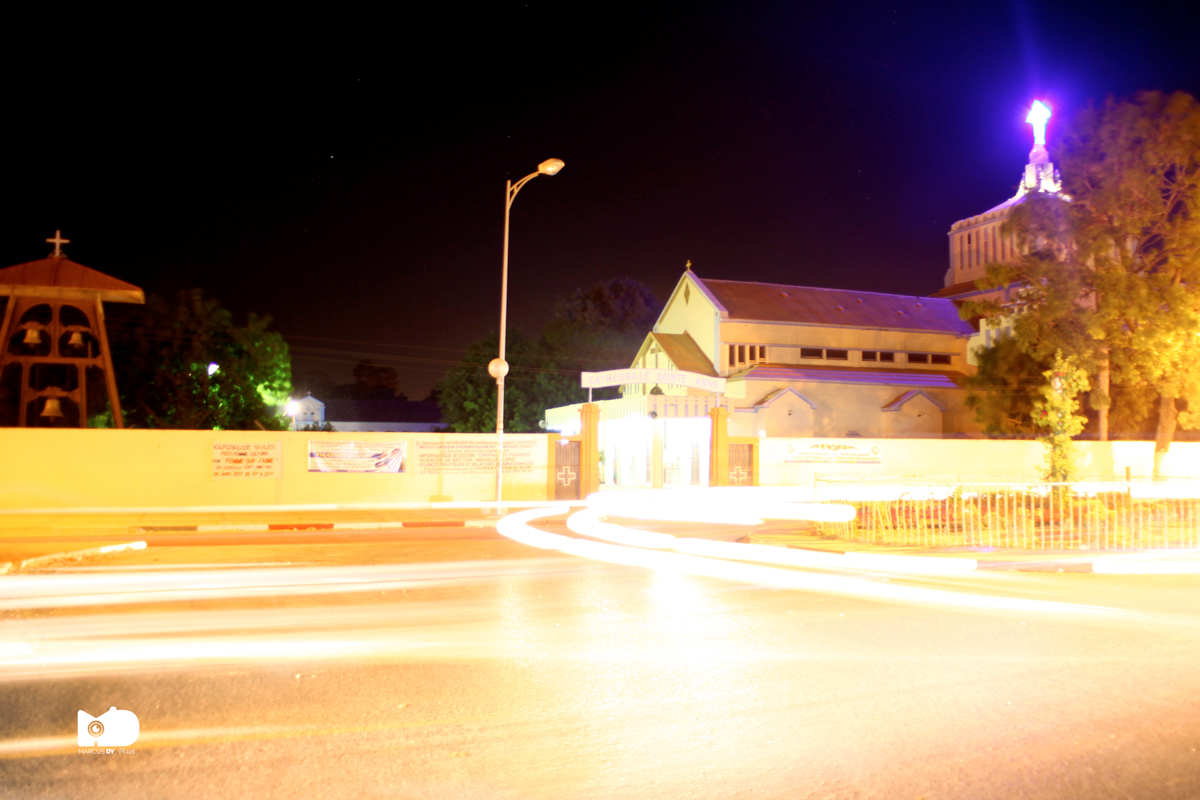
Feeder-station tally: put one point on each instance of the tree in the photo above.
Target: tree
(371, 382)
(1056, 411)
(1003, 390)
(187, 365)
(603, 326)
(1111, 272)
(535, 382)
(593, 329)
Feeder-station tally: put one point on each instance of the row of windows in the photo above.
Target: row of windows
(742, 355)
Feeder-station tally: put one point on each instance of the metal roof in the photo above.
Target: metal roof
(775, 302)
(61, 277)
(899, 377)
(684, 353)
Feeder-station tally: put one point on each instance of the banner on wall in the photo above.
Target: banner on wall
(328, 456)
(247, 460)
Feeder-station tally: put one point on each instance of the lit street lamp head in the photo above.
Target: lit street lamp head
(550, 166)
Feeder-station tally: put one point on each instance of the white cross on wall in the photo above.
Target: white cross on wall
(58, 242)
(739, 475)
(566, 476)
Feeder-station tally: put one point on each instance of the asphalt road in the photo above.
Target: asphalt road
(499, 671)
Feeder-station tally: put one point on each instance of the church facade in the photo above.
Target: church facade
(801, 362)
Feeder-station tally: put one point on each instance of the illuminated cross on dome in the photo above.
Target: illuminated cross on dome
(58, 242)
(1037, 117)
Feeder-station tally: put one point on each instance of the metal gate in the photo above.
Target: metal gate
(741, 465)
(566, 470)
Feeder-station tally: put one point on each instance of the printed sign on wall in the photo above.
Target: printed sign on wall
(326, 456)
(247, 460)
(831, 454)
(469, 455)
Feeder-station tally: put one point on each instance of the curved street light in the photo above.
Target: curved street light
(498, 367)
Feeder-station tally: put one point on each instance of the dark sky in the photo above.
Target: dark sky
(343, 170)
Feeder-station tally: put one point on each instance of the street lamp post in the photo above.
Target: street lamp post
(498, 367)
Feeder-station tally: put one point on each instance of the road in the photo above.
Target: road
(497, 670)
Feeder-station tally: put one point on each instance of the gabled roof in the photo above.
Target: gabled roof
(807, 305)
(684, 353)
(926, 379)
(912, 394)
(771, 397)
(61, 277)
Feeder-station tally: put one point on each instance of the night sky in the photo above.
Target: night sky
(343, 171)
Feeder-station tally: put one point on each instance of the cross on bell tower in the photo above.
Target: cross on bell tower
(58, 242)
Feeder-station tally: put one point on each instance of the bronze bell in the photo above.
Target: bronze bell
(52, 408)
(76, 340)
(32, 336)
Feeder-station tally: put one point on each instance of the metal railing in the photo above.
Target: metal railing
(1098, 514)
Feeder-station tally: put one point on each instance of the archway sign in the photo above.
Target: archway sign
(669, 377)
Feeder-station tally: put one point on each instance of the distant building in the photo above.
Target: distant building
(309, 411)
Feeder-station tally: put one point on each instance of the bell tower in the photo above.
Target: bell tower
(53, 343)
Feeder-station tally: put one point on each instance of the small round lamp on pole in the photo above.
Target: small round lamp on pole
(498, 368)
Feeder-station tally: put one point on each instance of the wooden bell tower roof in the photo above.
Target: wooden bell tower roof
(61, 278)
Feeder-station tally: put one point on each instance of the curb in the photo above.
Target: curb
(327, 526)
(1119, 564)
(320, 526)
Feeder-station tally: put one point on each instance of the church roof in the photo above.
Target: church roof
(63, 278)
(684, 353)
(807, 305)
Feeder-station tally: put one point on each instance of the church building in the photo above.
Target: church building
(806, 362)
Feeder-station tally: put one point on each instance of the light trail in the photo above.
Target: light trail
(516, 527)
(59, 590)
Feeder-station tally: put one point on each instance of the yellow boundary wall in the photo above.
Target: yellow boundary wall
(794, 462)
(95, 468)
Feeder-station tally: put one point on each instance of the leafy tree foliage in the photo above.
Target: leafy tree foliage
(1112, 274)
(535, 382)
(162, 352)
(1056, 411)
(603, 326)
(1003, 390)
(593, 329)
(371, 382)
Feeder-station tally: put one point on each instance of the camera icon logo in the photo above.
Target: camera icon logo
(113, 728)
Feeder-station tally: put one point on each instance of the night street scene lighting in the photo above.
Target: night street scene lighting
(844, 392)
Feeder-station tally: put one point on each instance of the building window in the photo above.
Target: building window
(837, 355)
(918, 358)
(741, 355)
(939, 359)
(811, 352)
(889, 357)
(870, 355)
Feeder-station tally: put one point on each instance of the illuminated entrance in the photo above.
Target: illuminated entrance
(649, 440)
